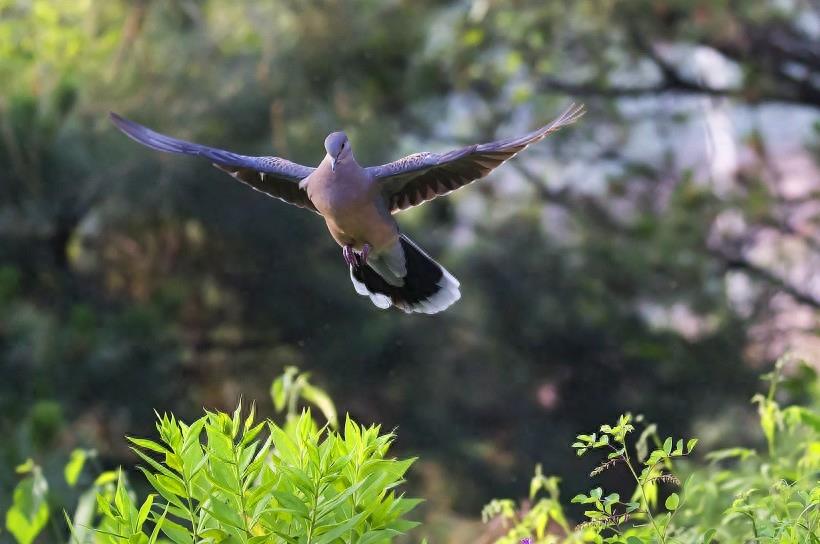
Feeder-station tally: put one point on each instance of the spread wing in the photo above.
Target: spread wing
(273, 176)
(420, 177)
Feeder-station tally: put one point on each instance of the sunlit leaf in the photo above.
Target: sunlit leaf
(75, 466)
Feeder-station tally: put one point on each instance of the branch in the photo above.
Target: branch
(776, 45)
(561, 197)
(740, 263)
(615, 91)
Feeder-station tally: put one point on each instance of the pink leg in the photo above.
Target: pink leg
(363, 255)
(349, 255)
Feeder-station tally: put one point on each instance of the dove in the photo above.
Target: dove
(358, 203)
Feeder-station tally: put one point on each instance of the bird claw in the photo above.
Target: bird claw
(363, 255)
(349, 255)
(354, 258)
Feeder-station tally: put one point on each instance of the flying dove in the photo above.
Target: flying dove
(358, 203)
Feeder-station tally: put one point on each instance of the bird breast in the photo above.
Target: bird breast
(344, 190)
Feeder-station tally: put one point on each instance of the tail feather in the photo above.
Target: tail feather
(426, 288)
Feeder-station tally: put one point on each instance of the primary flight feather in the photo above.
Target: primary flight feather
(358, 203)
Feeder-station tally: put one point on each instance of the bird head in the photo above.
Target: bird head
(337, 147)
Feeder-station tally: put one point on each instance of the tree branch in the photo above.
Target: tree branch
(741, 263)
(771, 49)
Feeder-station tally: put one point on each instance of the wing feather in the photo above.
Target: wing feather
(420, 177)
(274, 176)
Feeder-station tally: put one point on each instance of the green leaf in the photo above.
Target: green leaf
(219, 443)
(322, 401)
(172, 485)
(278, 393)
(145, 509)
(642, 446)
(292, 504)
(75, 466)
(236, 421)
(170, 497)
(157, 526)
(26, 467)
(690, 445)
(330, 505)
(72, 533)
(596, 493)
(217, 535)
(286, 448)
(378, 536)
(148, 445)
(176, 532)
(122, 500)
(338, 530)
(224, 512)
(83, 516)
(667, 446)
(107, 477)
(29, 511)
(707, 536)
(161, 469)
(672, 502)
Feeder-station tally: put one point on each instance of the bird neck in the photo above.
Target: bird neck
(344, 167)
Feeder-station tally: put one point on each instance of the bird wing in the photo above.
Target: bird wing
(420, 177)
(273, 176)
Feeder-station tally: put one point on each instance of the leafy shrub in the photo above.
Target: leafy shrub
(219, 480)
(766, 498)
(227, 478)
(29, 512)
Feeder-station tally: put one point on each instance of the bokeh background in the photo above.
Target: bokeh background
(656, 257)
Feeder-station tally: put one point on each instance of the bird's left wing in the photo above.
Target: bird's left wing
(420, 177)
(273, 176)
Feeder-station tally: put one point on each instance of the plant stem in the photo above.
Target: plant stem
(643, 494)
(186, 479)
(754, 526)
(241, 491)
(313, 508)
(814, 521)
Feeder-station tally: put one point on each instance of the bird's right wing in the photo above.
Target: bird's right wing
(273, 176)
(418, 178)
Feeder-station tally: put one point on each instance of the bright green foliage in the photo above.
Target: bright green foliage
(225, 478)
(29, 511)
(292, 386)
(89, 506)
(647, 467)
(771, 498)
(535, 521)
(75, 465)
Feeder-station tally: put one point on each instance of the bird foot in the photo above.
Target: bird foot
(355, 258)
(363, 255)
(349, 255)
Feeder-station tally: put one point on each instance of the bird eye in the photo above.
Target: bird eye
(343, 145)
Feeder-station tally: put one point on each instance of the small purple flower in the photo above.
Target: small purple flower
(527, 540)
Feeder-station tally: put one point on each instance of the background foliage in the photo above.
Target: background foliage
(650, 259)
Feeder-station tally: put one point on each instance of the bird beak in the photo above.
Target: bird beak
(332, 164)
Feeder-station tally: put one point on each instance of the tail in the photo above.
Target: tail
(407, 279)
